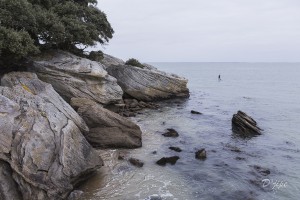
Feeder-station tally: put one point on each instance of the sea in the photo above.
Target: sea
(264, 167)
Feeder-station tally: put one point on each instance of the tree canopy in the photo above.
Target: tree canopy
(29, 26)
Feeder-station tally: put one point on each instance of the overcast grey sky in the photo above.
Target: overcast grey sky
(204, 30)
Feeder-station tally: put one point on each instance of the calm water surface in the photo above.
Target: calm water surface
(269, 92)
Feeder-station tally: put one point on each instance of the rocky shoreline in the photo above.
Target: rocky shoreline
(53, 116)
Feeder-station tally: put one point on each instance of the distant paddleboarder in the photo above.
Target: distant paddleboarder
(219, 77)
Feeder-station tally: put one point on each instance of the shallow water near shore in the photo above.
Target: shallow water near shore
(269, 92)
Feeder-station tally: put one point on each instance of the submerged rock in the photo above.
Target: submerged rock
(41, 139)
(73, 76)
(136, 162)
(244, 125)
(148, 84)
(108, 129)
(240, 158)
(196, 112)
(171, 160)
(177, 149)
(171, 133)
(201, 154)
(261, 170)
(233, 148)
(155, 198)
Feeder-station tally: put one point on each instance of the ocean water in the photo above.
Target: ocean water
(269, 92)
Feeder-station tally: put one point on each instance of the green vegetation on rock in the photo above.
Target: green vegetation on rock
(134, 62)
(29, 26)
(96, 56)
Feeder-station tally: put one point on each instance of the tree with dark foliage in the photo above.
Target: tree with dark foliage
(30, 26)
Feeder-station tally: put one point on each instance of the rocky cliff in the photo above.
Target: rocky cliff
(73, 76)
(45, 145)
(41, 140)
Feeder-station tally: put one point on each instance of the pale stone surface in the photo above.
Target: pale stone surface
(110, 130)
(32, 85)
(8, 111)
(73, 76)
(80, 102)
(148, 84)
(109, 60)
(48, 154)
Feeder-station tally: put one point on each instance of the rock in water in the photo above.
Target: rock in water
(41, 139)
(148, 84)
(196, 112)
(177, 149)
(244, 125)
(136, 162)
(261, 170)
(171, 133)
(201, 154)
(163, 161)
(73, 76)
(110, 130)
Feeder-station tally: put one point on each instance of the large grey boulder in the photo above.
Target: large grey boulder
(73, 76)
(108, 129)
(109, 60)
(41, 139)
(148, 83)
(30, 83)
